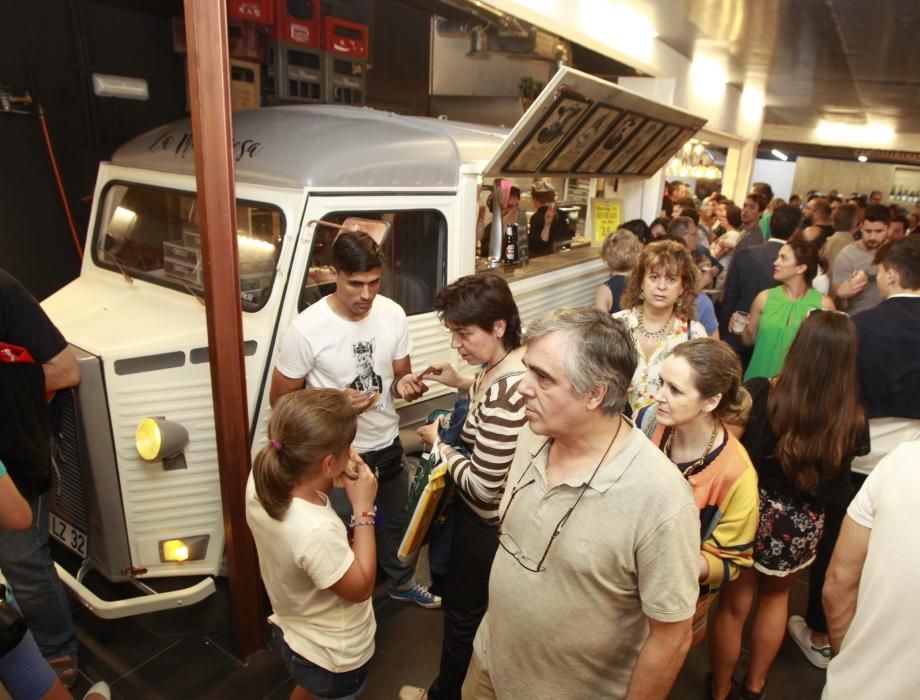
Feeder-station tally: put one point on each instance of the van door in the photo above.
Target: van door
(417, 250)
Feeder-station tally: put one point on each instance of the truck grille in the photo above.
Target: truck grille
(68, 499)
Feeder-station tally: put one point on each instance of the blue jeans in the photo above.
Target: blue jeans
(392, 499)
(25, 559)
(324, 684)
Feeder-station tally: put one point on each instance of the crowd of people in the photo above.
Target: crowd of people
(739, 406)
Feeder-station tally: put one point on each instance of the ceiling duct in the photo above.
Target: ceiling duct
(507, 35)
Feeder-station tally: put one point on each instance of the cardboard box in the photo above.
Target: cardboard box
(245, 84)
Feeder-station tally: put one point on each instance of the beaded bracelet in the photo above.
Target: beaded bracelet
(357, 523)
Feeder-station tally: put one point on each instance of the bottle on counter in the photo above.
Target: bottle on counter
(511, 244)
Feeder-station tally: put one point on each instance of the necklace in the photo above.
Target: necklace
(489, 368)
(694, 467)
(653, 335)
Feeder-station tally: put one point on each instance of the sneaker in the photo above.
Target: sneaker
(416, 594)
(413, 692)
(99, 691)
(801, 635)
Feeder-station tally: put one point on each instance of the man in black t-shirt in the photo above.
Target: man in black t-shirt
(34, 361)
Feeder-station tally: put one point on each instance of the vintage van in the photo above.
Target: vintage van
(136, 319)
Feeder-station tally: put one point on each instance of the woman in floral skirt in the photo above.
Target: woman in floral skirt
(805, 426)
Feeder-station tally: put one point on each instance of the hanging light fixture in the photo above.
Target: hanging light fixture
(693, 160)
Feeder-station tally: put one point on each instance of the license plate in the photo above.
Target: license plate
(68, 535)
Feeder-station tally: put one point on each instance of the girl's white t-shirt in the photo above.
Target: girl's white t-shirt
(300, 557)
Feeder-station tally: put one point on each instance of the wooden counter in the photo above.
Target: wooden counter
(542, 264)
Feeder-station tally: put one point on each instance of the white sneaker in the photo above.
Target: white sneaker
(801, 635)
(412, 692)
(99, 691)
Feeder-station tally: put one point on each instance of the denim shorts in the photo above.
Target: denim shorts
(324, 684)
(26, 675)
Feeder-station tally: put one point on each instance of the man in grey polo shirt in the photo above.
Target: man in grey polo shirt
(594, 586)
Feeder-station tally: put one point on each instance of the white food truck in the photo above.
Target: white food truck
(136, 320)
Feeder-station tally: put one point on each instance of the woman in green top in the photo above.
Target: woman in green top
(777, 313)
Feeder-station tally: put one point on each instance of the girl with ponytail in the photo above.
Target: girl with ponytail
(319, 586)
(700, 394)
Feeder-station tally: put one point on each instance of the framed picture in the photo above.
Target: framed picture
(613, 140)
(640, 139)
(589, 132)
(666, 149)
(567, 111)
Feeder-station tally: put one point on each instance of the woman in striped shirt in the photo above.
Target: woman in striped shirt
(480, 313)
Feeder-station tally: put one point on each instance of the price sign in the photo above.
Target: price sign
(608, 215)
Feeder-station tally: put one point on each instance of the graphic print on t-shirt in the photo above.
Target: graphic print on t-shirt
(367, 379)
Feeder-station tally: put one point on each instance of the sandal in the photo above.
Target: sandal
(66, 668)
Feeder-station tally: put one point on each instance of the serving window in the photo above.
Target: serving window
(415, 258)
(152, 233)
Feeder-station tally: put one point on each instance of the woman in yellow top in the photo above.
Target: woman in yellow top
(659, 308)
(777, 313)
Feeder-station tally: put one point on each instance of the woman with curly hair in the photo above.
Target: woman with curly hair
(659, 308)
(805, 426)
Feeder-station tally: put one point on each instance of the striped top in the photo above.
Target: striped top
(490, 433)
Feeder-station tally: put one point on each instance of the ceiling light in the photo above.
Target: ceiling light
(779, 154)
(856, 134)
(707, 70)
(862, 157)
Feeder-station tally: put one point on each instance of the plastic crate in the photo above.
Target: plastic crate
(261, 11)
(298, 22)
(344, 38)
(295, 73)
(346, 80)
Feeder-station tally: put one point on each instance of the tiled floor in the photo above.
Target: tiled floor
(187, 654)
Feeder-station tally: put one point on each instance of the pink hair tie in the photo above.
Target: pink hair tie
(277, 445)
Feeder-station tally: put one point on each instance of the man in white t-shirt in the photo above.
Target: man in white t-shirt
(870, 595)
(357, 341)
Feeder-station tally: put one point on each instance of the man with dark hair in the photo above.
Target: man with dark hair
(795, 200)
(889, 360)
(765, 191)
(681, 205)
(751, 270)
(34, 360)
(845, 222)
(594, 585)
(897, 229)
(684, 230)
(817, 215)
(875, 197)
(357, 341)
(753, 209)
(854, 272)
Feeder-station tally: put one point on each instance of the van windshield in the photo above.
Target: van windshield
(152, 234)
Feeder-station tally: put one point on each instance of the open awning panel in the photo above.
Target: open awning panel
(587, 127)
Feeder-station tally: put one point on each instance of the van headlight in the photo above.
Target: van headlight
(160, 439)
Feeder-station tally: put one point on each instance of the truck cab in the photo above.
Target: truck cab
(135, 316)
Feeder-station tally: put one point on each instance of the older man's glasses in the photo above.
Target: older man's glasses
(506, 541)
